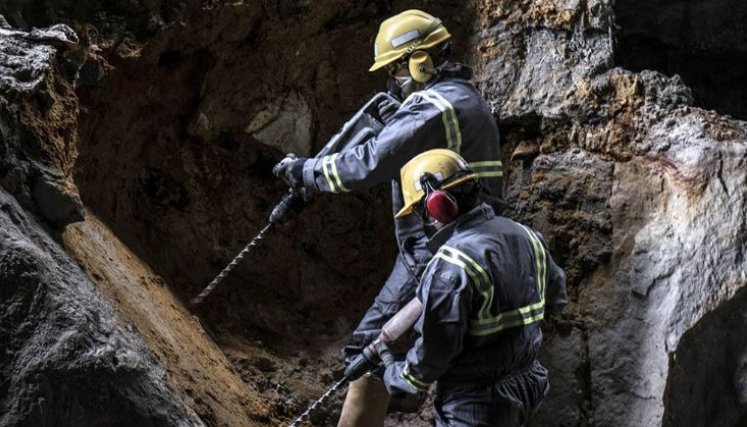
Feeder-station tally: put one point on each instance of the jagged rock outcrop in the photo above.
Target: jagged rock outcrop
(66, 360)
(102, 345)
(38, 122)
(643, 200)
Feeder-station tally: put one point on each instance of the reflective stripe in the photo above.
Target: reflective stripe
(325, 169)
(414, 382)
(523, 316)
(404, 38)
(335, 174)
(485, 323)
(479, 276)
(449, 117)
(540, 257)
(331, 175)
(487, 169)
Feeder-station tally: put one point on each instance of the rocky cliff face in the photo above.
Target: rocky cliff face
(185, 106)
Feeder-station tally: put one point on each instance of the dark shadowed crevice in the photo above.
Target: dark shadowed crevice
(710, 367)
(704, 42)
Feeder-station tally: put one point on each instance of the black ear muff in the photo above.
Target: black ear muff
(420, 65)
(442, 206)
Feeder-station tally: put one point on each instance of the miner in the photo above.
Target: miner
(484, 294)
(440, 108)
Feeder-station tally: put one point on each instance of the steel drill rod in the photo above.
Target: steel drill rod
(236, 260)
(305, 416)
(349, 134)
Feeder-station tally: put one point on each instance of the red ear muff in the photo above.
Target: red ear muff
(441, 206)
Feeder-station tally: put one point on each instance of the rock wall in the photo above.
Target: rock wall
(641, 198)
(66, 358)
(704, 42)
(96, 339)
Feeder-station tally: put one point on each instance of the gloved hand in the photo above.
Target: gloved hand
(290, 170)
(386, 109)
(395, 383)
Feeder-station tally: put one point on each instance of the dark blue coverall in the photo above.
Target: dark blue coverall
(448, 113)
(484, 294)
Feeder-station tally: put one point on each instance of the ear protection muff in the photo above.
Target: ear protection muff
(420, 65)
(437, 203)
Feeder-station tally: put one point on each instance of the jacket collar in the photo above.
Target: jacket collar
(479, 214)
(451, 70)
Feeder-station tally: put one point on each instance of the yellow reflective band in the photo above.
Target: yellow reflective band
(449, 118)
(523, 315)
(486, 293)
(325, 169)
(506, 325)
(453, 118)
(485, 323)
(414, 382)
(479, 276)
(540, 258)
(521, 311)
(489, 174)
(487, 169)
(335, 174)
(488, 163)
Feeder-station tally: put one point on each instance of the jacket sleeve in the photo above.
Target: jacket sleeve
(414, 128)
(446, 295)
(555, 294)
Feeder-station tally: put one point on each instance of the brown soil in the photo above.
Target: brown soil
(197, 368)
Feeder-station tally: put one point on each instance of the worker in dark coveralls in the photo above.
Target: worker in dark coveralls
(440, 109)
(484, 294)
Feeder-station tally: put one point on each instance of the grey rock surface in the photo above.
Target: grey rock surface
(38, 118)
(66, 360)
(642, 198)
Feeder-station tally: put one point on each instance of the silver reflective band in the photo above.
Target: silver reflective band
(438, 175)
(404, 38)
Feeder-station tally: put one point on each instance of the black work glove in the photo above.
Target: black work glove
(386, 109)
(290, 170)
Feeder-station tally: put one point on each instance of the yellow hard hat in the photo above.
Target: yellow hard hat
(443, 164)
(402, 34)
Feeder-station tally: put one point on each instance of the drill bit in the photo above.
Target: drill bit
(209, 288)
(305, 416)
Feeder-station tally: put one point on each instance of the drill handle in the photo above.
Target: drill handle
(290, 204)
(367, 361)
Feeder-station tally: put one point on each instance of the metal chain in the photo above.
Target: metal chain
(237, 259)
(305, 416)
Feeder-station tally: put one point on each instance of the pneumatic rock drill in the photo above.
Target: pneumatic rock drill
(374, 355)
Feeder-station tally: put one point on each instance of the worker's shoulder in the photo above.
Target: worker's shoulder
(467, 245)
(443, 93)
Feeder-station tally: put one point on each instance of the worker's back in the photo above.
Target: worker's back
(511, 274)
